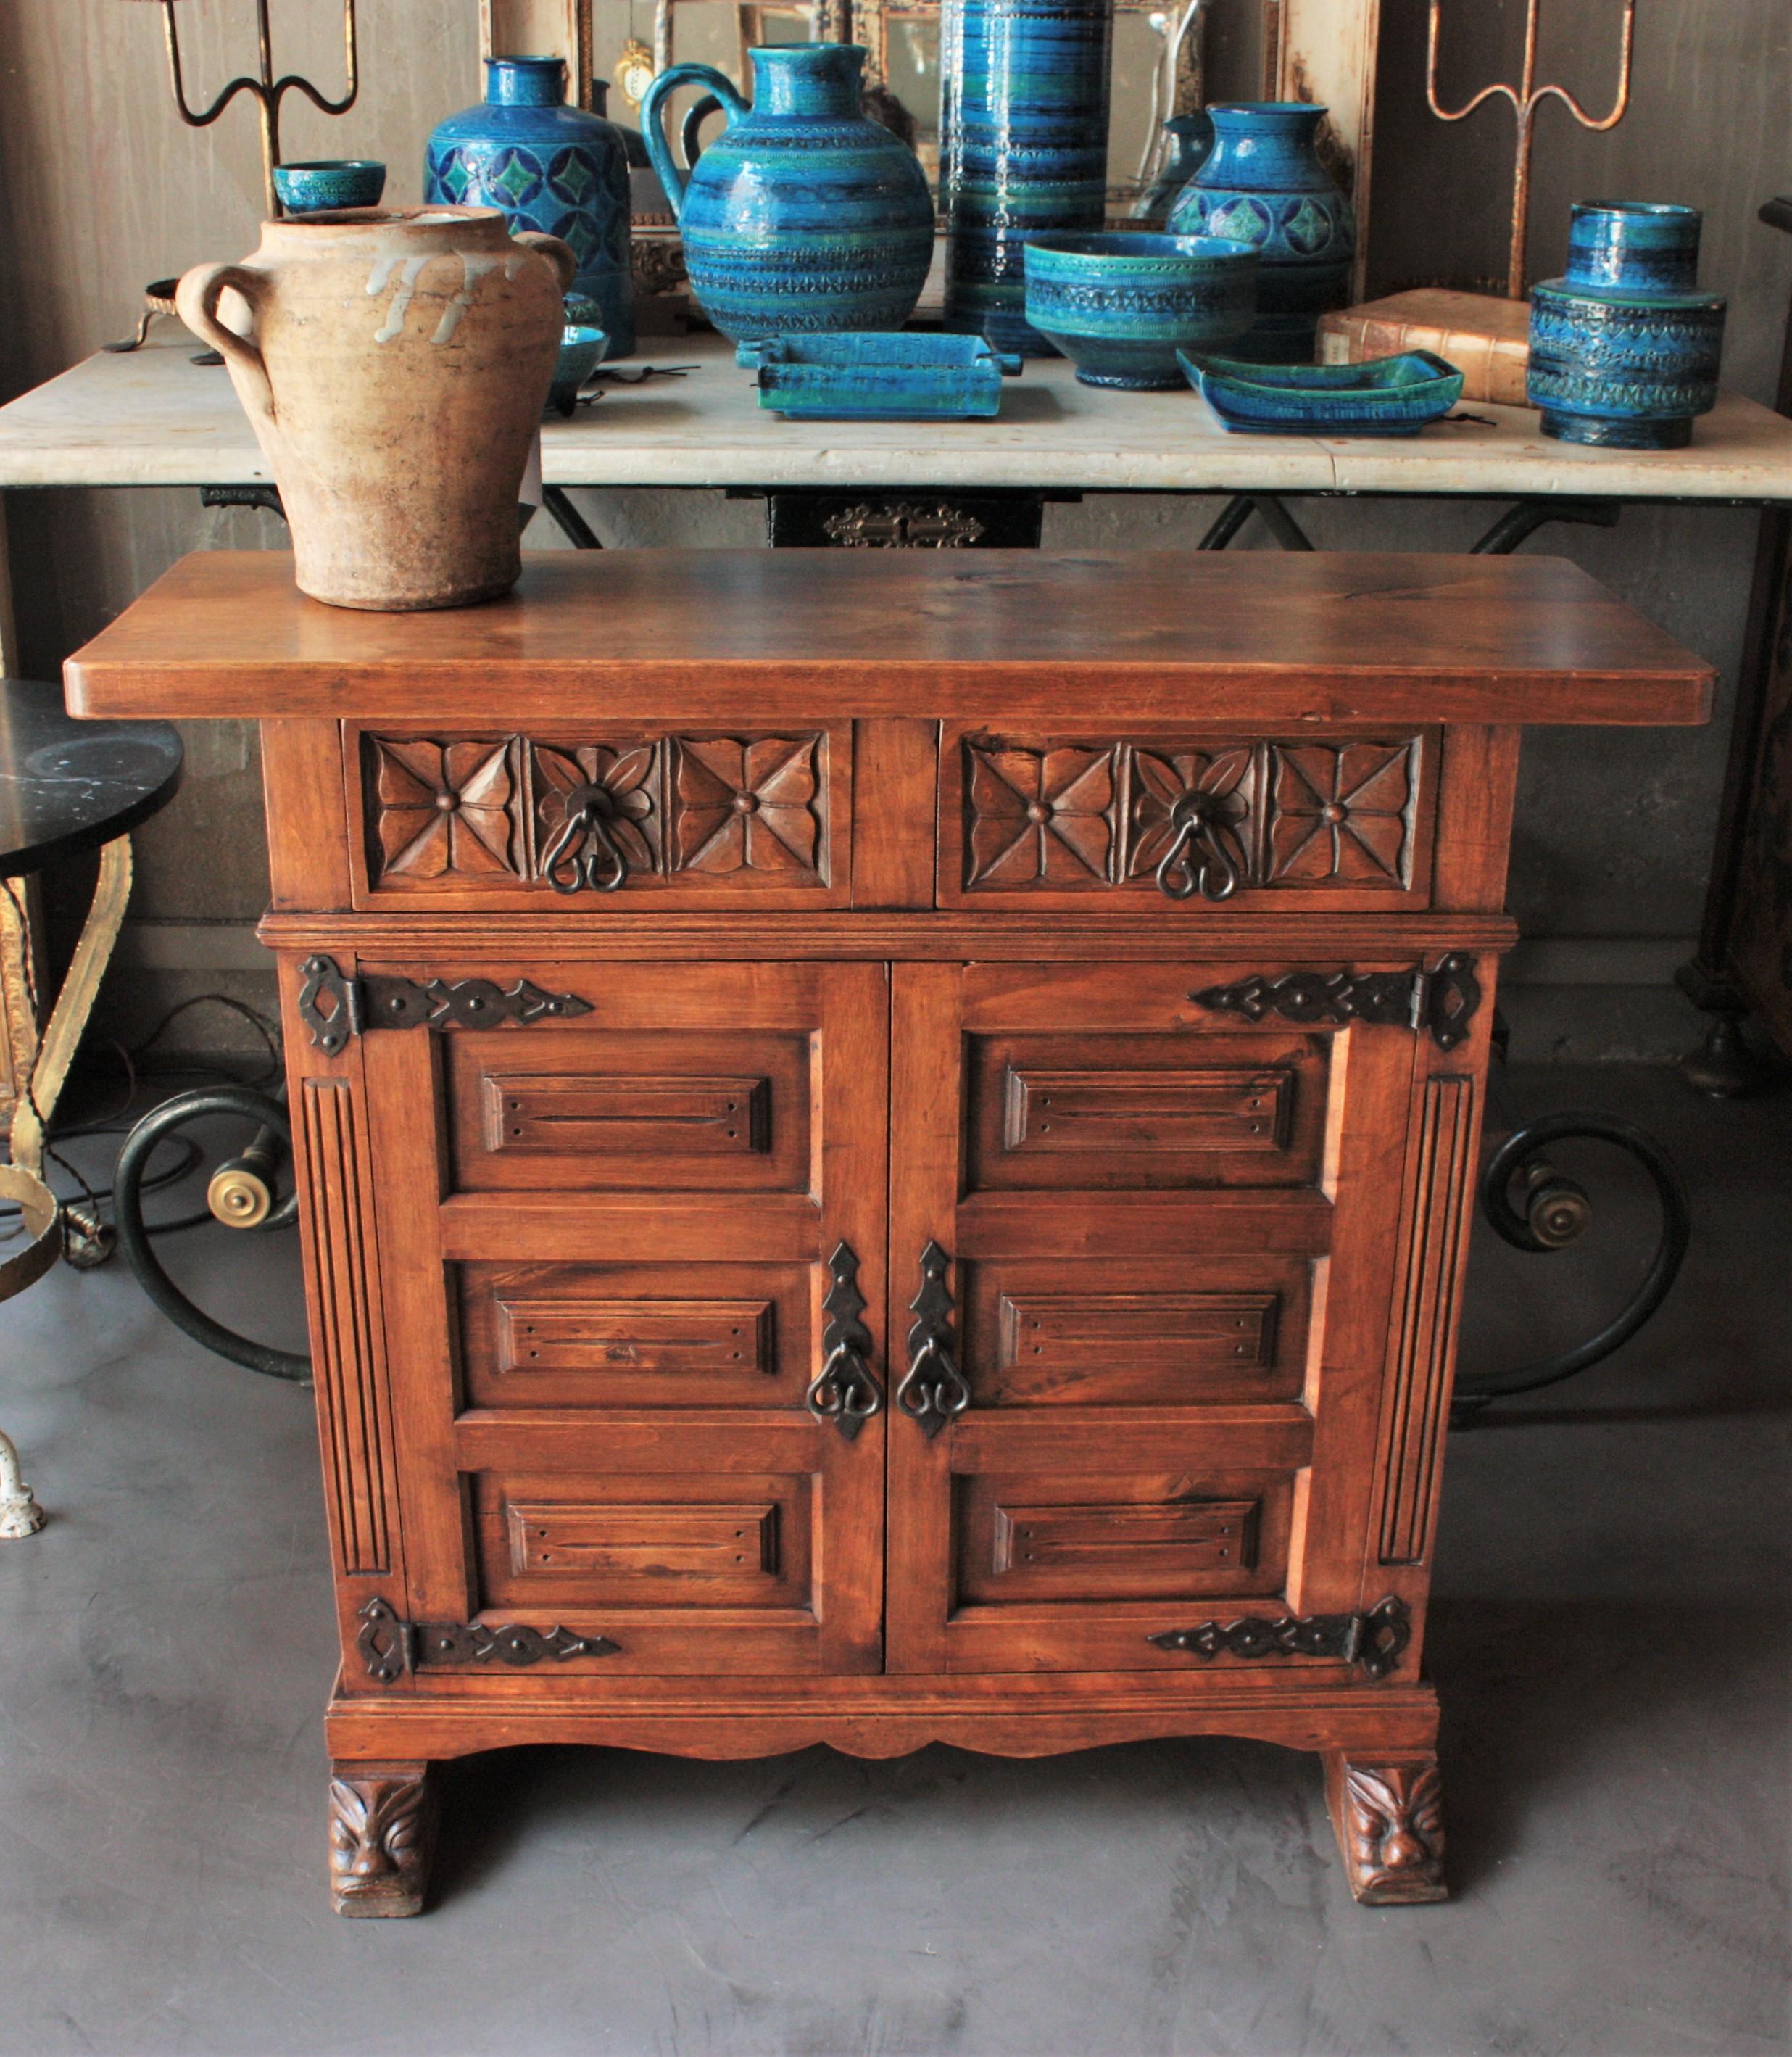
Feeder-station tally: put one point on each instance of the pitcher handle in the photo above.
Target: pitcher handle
(561, 255)
(653, 130)
(195, 301)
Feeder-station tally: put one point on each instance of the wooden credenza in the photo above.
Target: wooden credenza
(887, 1140)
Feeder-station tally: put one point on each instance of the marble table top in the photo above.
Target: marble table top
(155, 418)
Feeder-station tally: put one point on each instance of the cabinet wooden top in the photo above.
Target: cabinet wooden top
(704, 636)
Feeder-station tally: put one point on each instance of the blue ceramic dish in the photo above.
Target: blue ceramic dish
(545, 165)
(1263, 183)
(1023, 148)
(1625, 347)
(581, 350)
(331, 182)
(866, 378)
(1120, 305)
(1388, 396)
(802, 215)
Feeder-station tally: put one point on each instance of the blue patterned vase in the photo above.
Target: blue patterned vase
(544, 165)
(1624, 347)
(1023, 148)
(1262, 184)
(1189, 138)
(802, 217)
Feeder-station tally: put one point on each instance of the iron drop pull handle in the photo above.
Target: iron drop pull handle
(583, 853)
(845, 1390)
(934, 1392)
(1205, 854)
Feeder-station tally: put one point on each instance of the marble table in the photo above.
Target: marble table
(156, 418)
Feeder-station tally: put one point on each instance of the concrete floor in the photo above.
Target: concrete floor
(1610, 1637)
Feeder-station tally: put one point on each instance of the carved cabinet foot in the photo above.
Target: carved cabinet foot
(382, 1835)
(1389, 1817)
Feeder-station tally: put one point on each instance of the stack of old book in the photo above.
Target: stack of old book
(1487, 339)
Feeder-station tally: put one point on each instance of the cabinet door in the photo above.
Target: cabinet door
(608, 1244)
(1167, 1238)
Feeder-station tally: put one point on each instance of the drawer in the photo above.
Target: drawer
(673, 819)
(1343, 822)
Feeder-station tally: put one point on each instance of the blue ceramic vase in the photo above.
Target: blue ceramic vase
(1023, 148)
(802, 216)
(1190, 138)
(544, 165)
(1262, 184)
(1624, 347)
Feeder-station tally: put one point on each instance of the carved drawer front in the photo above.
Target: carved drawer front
(667, 1110)
(1150, 1332)
(1122, 1112)
(680, 819)
(1147, 821)
(1120, 1535)
(637, 1335)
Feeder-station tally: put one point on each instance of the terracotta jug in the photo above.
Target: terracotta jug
(394, 363)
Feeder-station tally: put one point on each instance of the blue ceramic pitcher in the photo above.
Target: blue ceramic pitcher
(802, 217)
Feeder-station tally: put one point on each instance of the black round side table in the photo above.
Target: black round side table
(65, 786)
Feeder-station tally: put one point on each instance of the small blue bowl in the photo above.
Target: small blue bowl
(580, 349)
(1388, 396)
(1120, 305)
(331, 182)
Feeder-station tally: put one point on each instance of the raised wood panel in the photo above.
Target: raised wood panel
(597, 1110)
(627, 1336)
(1147, 1333)
(1095, 1538)
(1142, 1112)
(658, 1542)
(1344, 822)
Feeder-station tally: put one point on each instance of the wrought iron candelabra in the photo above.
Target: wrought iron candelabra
(266, 89)
(1527, 97)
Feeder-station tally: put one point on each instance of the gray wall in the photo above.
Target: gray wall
(100, 188)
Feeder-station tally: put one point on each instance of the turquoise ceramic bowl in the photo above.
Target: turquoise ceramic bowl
(1388, 396)
(580, 349)
(331, 182)
(1120, 306)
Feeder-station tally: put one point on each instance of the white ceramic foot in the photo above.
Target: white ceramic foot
(20, 1514)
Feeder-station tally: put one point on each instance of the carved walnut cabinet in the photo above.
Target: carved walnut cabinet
(887, 1140)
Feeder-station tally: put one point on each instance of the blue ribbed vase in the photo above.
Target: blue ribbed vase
(1262, 184)
(1023, 148)
(1625, 347)
(544, 165)
(802, 217)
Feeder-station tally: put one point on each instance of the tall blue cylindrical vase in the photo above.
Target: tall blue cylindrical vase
(548, 166)
(1262, 184)
(1625, 347)
(1023, 147)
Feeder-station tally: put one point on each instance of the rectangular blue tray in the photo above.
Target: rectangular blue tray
(869, 377)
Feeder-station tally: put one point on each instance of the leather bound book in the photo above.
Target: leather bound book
(1487, 339)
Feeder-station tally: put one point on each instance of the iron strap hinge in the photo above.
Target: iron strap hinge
(335, 1004)
(1440, 1002)
(390, 1646)
(1374, 1642)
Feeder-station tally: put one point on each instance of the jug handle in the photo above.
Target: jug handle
(561, 255)
(195, 301)
(653, 130)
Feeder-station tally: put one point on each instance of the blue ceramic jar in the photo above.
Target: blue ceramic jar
(1624, 347)
(1262, 184)
(1120, 305)
(544, 165)
(1023, 147)
(802, 216)
(1189, 138)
